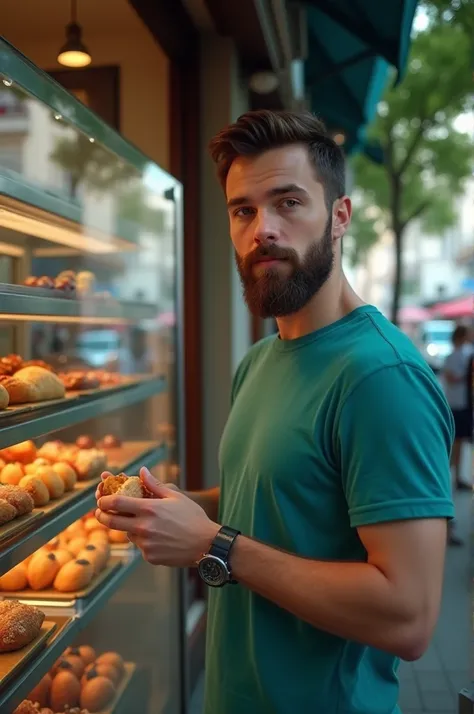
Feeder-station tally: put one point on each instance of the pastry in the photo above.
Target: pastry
(90, 463)
(16, 579)
(75, 575)
(27, 707)
(40, 693)
(96, 694)
(12, 474)
(24, 452)
(66, 473)
(42, 571)
(63, 556)
(51, 480)
(85, 282)
(74, 663)
(85, 652)
(33, 384)
(101, 670)
(31, 469)
(85, 442)
(76, 545)
(45, 282)
(92, 524)
(124, 485)
(111, 442)
(7, 512)
(37, 363)
(65, 690)
(13, 361)
(36, 489)
(99, 537)
(19, 625)
(117, 536)
(112, 658)
(18, 498)
(96, 555)
(4, 397)
(50, 450)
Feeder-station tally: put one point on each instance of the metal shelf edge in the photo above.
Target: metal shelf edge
(23, 303)
(27, 543)
(40, 665)
(36, 423)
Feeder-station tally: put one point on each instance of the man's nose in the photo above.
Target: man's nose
(266, 230)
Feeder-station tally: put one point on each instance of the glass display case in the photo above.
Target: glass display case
(90, 375)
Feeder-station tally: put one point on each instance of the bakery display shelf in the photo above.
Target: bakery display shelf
(20, 424)
(12, 662)
(123, 700)
(52, 595)
(87, 610)
(16, 300)
(28, 541)
(13, 528)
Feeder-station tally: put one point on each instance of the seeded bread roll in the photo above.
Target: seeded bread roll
(19, 625)
(18, 498)
(7, 512)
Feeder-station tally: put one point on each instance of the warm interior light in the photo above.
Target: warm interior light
(13, 251)
(32, 221)
(64, 319)
(74, 53)
(339, 138)
(74, 58)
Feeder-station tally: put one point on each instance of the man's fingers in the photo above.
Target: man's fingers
(116, 522)
(122, 505)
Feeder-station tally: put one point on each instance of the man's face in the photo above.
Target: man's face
(282, 232)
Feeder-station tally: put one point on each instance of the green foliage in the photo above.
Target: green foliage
(427, 160)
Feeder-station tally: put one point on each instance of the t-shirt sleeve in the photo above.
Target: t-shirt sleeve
(394, 439)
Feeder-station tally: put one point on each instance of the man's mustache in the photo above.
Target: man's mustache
(271, 251)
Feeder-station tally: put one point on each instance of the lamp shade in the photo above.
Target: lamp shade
(74, 53)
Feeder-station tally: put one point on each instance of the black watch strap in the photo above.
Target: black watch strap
(223, 542)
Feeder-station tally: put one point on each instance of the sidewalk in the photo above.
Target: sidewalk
(431, 684)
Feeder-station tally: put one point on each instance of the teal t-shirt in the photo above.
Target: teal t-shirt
(341, 428)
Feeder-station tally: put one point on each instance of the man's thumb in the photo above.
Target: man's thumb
(155, 487)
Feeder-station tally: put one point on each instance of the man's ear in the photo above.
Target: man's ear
(341, 217)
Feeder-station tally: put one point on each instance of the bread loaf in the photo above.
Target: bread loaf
(75, 575)
(16, 579)
(33, 384)
(19, 625)
(4, 397)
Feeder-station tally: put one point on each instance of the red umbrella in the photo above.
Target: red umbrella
(413, 314)
(463, 307)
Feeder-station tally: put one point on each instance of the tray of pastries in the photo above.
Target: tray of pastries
(23, 631)
(80, 682)
(69, 567)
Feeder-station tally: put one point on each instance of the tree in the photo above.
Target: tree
(426, 158)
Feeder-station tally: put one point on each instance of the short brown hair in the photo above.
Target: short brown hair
(256, 132)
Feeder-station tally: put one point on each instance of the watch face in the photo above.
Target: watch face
(213, 571)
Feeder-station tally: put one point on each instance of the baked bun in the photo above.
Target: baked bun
(114, 659)
(124, 485)
(51, 480)
(36, 489)
(19, 625)
(24, 452)
(33, 467)
(63, 556)
(66, 473)
(96, 694)
(7, 512)
(90, 463)
(4, 397)
(101, 670)
(42, 571)
(117, 537)
(96, 555)
(40, 693)
(16, 579)
(73, 576)
(77, 544)
(75, 663)
(12, 474)
(18, 498)
(33, 384)
(65, 690)
(85, 652)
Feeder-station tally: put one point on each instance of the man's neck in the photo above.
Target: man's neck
(335, 300)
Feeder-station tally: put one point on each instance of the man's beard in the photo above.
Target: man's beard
(274, 294)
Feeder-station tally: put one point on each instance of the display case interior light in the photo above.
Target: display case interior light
(65, 319)
(28, 220)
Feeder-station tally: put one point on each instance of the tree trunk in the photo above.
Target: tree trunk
(397, 283)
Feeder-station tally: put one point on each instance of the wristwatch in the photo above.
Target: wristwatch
(214, 567)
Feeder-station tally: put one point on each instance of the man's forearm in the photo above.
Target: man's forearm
(354, 601)
(208, 500)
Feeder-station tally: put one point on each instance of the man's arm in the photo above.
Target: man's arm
(208, 500)
(391, 602)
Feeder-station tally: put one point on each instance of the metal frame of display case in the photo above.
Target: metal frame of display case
(20, 425)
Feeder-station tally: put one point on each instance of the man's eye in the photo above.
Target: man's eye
(290, 203)
(244, 211)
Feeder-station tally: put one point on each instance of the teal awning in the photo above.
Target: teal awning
(351, 46)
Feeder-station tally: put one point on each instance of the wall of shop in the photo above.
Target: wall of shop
(114, 35)
(226, 330)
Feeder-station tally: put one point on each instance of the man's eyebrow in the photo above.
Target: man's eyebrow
(277, 191)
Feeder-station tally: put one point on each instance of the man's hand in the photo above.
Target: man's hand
(170, 529)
